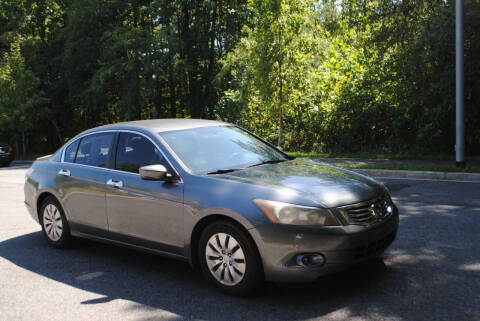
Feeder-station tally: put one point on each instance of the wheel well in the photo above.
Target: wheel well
(202, 224)
(40, 200)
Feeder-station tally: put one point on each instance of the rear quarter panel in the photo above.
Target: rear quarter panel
(42, 179)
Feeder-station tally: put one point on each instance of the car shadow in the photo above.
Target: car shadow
(167, 284)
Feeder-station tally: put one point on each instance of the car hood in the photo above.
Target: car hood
(327, 185)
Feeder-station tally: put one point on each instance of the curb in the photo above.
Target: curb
(447, 176)
(21, 162)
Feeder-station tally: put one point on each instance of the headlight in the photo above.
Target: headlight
(284, 213)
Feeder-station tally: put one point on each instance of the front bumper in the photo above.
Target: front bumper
(342, 247)
(6, 158)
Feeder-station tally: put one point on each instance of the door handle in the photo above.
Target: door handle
(115, 183)
(64, 172)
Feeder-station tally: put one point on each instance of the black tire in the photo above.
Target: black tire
(253, 276)
(65, 239)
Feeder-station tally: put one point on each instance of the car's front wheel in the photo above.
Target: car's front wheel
(54, 223)
(229, 259)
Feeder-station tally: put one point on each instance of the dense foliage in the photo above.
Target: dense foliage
(350, 75)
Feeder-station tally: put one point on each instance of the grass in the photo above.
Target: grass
(380, 156)
(412, 167)
(407, 166)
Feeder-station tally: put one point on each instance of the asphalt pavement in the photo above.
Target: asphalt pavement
(431, 271)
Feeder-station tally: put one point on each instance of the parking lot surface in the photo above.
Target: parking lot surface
(431, 272)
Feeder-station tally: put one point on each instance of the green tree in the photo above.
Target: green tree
(273, 62)
(326, 75)
(21, 100)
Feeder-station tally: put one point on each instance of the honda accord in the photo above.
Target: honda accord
(212, 194)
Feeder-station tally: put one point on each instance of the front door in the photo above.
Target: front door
(148, 213)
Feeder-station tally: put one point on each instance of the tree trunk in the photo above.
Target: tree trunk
(280, 128)
(24, 146)
(17, 151)
(57, 129)
(280, 100)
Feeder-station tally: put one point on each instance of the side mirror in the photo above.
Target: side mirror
(155, 172)
(280, 148)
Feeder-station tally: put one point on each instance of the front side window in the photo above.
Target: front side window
(135, 151)
(95, 150)
(208, 149)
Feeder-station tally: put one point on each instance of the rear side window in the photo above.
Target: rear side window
(71, 151)
(95, 150)
(135, 151)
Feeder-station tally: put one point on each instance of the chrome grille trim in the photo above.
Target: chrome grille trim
(368, 212)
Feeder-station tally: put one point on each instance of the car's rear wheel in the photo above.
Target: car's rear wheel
(229, 258)
(54, 223)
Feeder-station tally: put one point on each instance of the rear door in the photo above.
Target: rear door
(82, 179)
(148, 213)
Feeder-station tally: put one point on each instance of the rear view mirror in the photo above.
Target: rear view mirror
(155, 172)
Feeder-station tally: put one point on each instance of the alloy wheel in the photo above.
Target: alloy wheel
(52, 222)
(225, 259)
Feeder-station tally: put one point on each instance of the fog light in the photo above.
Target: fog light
(314, 259)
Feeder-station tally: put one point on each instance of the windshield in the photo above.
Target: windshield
(219, 148)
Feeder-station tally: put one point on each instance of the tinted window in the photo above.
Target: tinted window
(94, 150)
(135, 151)
(70, 152)
(207, 149)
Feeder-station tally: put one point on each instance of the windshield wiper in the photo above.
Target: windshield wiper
(223, 171)
(273, 161)
(228, 170)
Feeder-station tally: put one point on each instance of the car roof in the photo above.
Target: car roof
(162, 125)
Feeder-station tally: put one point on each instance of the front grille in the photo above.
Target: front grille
(366, 213)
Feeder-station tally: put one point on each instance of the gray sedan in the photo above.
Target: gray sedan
(212, 194)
